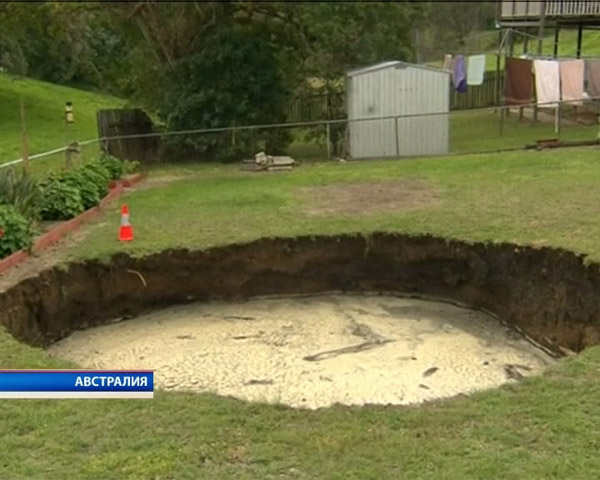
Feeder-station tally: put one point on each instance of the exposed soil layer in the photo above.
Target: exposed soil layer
(549, 294)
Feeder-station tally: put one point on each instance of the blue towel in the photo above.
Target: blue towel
(459, 74)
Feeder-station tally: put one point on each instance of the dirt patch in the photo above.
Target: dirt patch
(47, 258)
(160, 181)
(369, 198)
(548, 294)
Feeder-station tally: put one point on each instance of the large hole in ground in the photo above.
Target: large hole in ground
(314, 351)
(548, 295)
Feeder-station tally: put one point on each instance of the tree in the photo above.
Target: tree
(233, 80)
(451, 24)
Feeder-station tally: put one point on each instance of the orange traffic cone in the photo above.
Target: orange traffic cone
(126, 230)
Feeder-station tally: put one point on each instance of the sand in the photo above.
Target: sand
(312, 352)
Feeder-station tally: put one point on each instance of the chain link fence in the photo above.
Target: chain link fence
(482, 130)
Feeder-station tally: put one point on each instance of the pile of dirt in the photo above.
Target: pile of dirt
(548, 294)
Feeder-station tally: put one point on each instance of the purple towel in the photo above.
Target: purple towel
(459, 74)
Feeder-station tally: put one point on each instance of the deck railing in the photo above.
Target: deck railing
(554, 8)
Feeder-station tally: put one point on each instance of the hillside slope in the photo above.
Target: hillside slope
(45, 104)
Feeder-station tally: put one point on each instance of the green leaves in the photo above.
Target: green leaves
(234, 80)
(88, 188)
(67, 194)
(60, 200)
(16, 231)
(98, 174)
(113, 165)
(20, 190)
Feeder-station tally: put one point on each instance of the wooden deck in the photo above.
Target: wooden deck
(556, 11)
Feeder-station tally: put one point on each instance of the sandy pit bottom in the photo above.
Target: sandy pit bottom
(314, 351)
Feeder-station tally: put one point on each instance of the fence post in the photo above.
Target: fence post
(397, 139)
(328, 128)
(24, 145)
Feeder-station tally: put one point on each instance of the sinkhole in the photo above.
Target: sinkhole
(316, 320)
(314, 351)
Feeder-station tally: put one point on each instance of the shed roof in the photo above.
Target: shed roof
(391, 64)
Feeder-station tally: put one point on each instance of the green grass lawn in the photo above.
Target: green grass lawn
(549, 197)
(44, 107)
(542, 428)
(480, 131)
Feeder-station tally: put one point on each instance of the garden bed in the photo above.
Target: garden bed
(59, 229)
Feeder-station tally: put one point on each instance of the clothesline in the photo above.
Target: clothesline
(501, 47)
(535, 56)
(555, 80)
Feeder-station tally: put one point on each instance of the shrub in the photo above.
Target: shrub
(233, 80)
(60, 201)
(16, 231)
(100, 175)
(21, 190)
(113, 165)
(130, 166)
(88, 189)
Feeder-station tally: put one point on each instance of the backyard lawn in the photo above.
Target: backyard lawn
(540, 428)
(542, 198)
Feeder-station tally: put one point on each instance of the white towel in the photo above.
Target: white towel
(475, 70)
(547, 82)
(447, 65)
(571, 80)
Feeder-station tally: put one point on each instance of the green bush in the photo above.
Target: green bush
(101, 175)
(20, 190)
(85, 183)
(16, 232)
(234, 79)
(60, 201)
(130, 166)
(113, 165)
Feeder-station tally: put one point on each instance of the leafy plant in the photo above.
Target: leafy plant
(60, 201)
(88, 188)
(130, 166)
(233, 80)
(16, 231)
(100, 175)
(21, 190)
(113, 165)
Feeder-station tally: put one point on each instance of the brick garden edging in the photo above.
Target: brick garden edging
(56, 234)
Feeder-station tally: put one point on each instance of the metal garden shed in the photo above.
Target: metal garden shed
(387, 105)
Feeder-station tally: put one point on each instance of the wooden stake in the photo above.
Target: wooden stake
(24, 146)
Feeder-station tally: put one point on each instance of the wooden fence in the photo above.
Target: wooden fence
(116, 122)
(479, 96)
(328, 107)
(316, 107)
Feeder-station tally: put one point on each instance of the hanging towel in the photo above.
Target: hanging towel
(571, 81)
(447, 65)
(459, 74)
(547, 82)
(518, 81)
(592, 71)
(475, 69)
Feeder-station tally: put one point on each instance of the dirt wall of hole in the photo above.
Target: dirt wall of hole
(548, 293)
